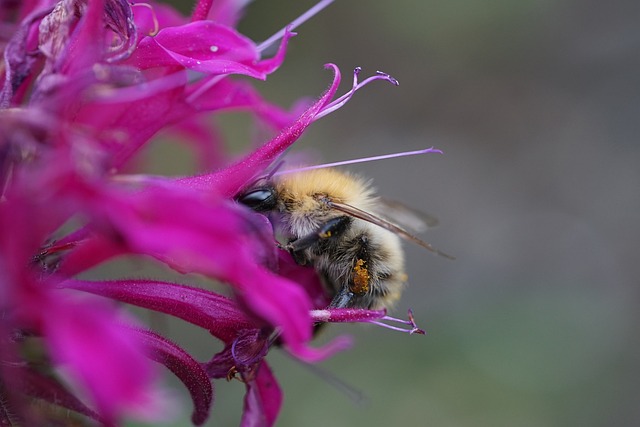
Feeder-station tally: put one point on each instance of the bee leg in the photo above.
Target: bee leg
(330, 229)
(342, 299)
(356, 292)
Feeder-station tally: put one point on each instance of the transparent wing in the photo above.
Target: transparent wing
(405, 216)
(387, 225)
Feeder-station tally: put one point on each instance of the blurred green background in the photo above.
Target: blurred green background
(536, 105)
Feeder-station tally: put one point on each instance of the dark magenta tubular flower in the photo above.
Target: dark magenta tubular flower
(85, 86)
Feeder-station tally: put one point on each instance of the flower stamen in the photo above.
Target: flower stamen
(294, 24)
(339, 102)
(233, 374)
(359, 160)
(410, 322)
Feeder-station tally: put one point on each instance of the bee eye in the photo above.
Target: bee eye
(260, 200)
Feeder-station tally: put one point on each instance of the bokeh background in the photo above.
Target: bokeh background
(536, 105)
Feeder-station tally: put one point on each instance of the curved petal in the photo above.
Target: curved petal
(186, 368)
(219, 315)
(268, 66)
(202, 46)
(50, 390)
(263, 399)
(101, 355)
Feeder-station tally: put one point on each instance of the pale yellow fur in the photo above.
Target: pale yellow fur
(341, 186)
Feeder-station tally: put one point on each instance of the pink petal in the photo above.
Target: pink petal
(216, 313)
(201, 46)
(279, 302)
(50, 390)
(304, 276)
(89, 252)
(268, 66)
(263, 399)
(125, 124)
(186, 368)
(104, 357)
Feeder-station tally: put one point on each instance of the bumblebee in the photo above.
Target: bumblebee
(334, 222)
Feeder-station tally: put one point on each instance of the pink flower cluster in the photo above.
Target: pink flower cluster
(86, 85)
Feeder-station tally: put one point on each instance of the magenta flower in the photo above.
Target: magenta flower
(87, 84)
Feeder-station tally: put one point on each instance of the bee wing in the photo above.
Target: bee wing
(405, 216)
(387, 225)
